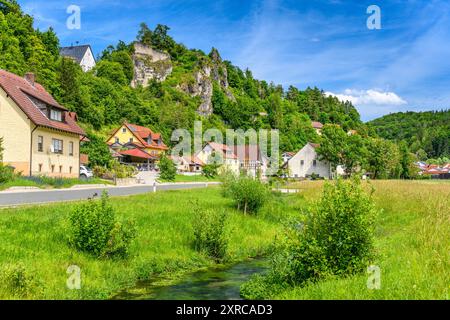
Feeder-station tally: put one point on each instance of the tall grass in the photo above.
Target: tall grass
(412, 241)
(35, 239)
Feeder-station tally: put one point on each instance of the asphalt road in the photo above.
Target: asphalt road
(10, 199)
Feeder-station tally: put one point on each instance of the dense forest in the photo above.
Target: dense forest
(103, 97)
(426, 133)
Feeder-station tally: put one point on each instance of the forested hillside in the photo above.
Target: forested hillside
(103, 97)
(426, 133)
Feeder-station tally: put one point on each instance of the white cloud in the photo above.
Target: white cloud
(369, 97)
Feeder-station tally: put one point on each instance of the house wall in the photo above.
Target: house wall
(124, 137)
(88, 61)
(64, 165)
(15, 128)
(308, 155)
(230, 164)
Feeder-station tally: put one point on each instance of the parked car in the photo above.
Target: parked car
(85, 172)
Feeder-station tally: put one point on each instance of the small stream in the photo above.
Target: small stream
(213, 284)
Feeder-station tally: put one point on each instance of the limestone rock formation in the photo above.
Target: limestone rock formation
(149, 64)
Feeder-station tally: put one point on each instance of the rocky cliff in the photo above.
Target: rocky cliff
(149, 64)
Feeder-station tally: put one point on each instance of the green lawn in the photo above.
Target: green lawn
(35, 238)
(48, 183)
(412, 241)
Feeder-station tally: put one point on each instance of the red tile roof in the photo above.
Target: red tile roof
(248, 152)
(142, 134)
(224, 149)
(316, 125)
(138, 153)
(20, 89)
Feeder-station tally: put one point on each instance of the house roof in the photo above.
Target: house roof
(314, 145)
(289, 154)
(138, 153)
(226, 151)
(75, 52)
(20, 91)
(249, 152)
(316, 125)
(142, 134)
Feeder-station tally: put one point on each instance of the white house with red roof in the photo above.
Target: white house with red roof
(221, 154)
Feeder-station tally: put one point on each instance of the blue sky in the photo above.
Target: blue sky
(325, 43)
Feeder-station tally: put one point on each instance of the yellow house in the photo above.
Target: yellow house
(137, 144)
(40, 137)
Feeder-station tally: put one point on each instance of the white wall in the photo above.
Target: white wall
(308, 154)
(88, 61)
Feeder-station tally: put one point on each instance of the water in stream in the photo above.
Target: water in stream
(212, 284)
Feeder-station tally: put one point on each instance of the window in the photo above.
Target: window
(53, 168)
(40, 143)
(117, 140)
(131, 140)
(70, 148)
(55, 115)
(314, 163)
(57, 146)
(40, 167)
(124, 130)
(70, 169)
(302, 162)
(60, 169)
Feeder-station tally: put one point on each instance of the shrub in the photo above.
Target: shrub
(95, 230)
(6, 174)
(334, 239)
(167, 168)
(210, 170)
(248, 193)
(17, 281)
(337, 236)
(209, 232)
(114, 170)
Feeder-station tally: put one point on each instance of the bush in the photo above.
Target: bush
(17, 281)
(167, 168)
(334, 239)
(6, 174)
(114, 170)
(210, 170)
(248, 193)
(95, 230)
(209, 232)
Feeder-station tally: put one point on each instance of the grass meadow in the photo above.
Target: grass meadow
(412, 242)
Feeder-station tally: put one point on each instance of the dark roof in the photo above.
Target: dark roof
(76, 52)
(20, 91)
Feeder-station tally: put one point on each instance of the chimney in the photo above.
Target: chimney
(30, 77)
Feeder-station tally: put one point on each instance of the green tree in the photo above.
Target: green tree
(167, 168)
(97, 150)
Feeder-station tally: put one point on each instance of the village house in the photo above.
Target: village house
(188, 164)
(306, 162)
(220, 152)
(82, 55)
(251, 160)
(40, 137)
(137, 145)
(317, 126)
